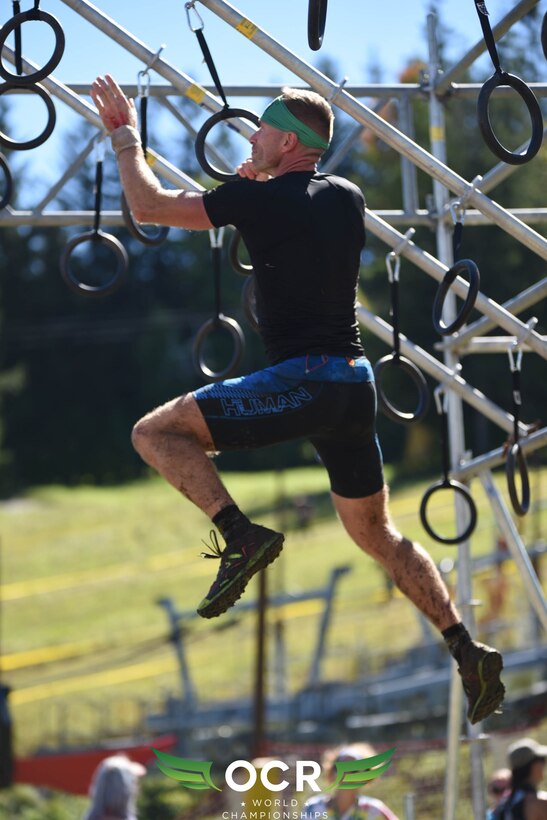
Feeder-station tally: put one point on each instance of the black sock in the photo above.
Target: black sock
(231, 522)
(455, 638)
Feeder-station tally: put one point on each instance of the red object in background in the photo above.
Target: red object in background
(72, 771)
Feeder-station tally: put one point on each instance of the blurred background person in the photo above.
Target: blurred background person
(114, 789)
(524, 801)
(498, 787)
(346, 804)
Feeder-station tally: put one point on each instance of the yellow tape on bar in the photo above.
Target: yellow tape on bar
(436, 133)
(247, 28)
(196, 93)
(151, 158)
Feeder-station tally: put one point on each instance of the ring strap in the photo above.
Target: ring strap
(18, 50)
(207, 56)
(216, 254)
(445, 454)
(517, 403)
(8, 183)
(488, 35)
(394, 288)
(457, 239)
(144, 122)
(98, 195)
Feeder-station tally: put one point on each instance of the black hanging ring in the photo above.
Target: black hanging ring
(317, 17)
(115, 280)
(16, 21)
(544, 35)
(234, 330)
(224, 114)
(50, 125)
(156, 238)
(248, 297)
(8, 182)
(233, 253)
(497, 79)
(460, 489)
(464, 266)
(516, 458)
(393, 360)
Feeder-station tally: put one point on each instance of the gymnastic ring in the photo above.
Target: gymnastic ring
(224, 114)
(17, 21)
(417, 377)
(95, 290)
(8, 182)
(317, 17)
(205, 330)
(528, 97)
(461, 489)
(516, 457)
(248, 296)
(153, 239)
(463, 266)
(50, 125)
(233, 253)
(544, 35)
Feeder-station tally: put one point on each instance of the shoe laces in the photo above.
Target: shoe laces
(214, 547)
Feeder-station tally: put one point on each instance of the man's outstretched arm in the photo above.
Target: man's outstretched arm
(147, 199)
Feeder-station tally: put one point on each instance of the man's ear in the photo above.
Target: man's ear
(290, 142)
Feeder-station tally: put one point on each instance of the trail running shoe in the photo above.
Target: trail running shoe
(480, 670)
(239, 561)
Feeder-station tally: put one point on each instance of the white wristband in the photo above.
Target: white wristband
(124, 137)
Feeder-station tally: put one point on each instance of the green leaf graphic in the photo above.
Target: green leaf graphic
(192, 774)
(351, 774)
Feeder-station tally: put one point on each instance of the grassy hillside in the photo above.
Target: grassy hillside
(84, 643)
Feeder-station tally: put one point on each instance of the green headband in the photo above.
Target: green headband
(278, 115)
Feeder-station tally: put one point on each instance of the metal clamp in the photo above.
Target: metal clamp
(191, 7)
(340, 87)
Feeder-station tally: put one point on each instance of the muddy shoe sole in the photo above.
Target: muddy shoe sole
(233, 592)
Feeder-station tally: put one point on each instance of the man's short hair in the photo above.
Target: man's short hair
(310, 108)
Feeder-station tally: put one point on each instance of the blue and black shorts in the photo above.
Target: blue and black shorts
(330, 400)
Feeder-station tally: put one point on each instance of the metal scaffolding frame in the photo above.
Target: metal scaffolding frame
(448, 187)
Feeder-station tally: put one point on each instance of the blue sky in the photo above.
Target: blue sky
(359, 35)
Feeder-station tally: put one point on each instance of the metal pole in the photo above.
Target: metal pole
(176, 636)
(492, 344)
(177, 78)
(456, 436)
(260, 668)
(409, 176)
(516, 548)
(52, 218)
(422, 216)
(68, 174)
(494, 458)
(455, 408)
(391, 135)
(269, 90)
(315, 667)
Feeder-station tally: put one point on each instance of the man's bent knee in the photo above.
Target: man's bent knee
(179, 417)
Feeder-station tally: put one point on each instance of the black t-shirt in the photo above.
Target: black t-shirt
(304, 232)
